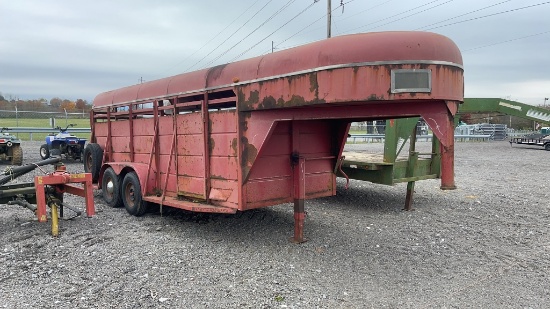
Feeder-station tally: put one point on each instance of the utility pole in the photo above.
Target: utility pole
(329, 17)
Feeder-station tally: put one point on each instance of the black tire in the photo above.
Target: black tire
(110, 188)
(131, 195)
(16, 155)
(44, 151)
(547, 146)
(93, 157)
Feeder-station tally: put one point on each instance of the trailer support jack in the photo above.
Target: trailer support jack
(299, 165)
(58, 183)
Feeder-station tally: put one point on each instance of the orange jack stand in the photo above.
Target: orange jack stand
(62, 181)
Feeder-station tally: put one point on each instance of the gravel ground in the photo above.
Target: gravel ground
(484, 245)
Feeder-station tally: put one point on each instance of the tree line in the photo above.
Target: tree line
(56, 104)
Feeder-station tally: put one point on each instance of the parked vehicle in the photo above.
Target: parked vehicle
(63, 144)
(10, 147)
(271, 130)
(535, 139)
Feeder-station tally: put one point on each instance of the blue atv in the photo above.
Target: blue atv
(63, 143)
(10, 147)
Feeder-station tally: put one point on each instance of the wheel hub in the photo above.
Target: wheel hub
(110, 186)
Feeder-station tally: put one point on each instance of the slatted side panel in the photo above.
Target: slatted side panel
(190, 153)
(224, 189)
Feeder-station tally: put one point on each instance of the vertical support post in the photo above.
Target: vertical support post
(41, 211)
(448, 156)
(157, 143)
(299, 199)
(206, 144)
(108, 149)
(390, 141)
(92, 122)
(131, 124)
(55, 220)
(413, 158)
(435, 167)
(298, 163)
(329, 18)
(89, 195)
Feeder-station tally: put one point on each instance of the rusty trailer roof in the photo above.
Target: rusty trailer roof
(376, 48)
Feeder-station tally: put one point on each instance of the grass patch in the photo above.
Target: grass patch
(43, 123)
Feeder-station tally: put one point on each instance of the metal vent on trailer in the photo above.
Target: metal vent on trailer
(411, 80)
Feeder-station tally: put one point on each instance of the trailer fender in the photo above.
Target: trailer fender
(123, 168)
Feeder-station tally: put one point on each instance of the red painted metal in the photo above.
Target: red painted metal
(299, 167)
(63, 182)
(398, 47)
(232, 137)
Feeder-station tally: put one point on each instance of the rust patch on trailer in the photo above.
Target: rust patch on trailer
(234, 145)
(253, 99)
(211, 144)
(248, 156)
(217, 177)
(314, 84)
(268, 102)
(373, 97)
(214, 73)
(243, 121)
(296, 100)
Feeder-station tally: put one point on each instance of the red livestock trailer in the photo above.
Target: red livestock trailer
(271, 129)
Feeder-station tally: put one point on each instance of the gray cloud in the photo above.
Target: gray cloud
(76, 49)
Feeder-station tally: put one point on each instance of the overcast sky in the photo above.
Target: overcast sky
(75, 49)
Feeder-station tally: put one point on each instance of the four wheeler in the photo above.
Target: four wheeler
(63, 143)
(10, 147)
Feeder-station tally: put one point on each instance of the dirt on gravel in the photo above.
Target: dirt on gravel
(484, 245)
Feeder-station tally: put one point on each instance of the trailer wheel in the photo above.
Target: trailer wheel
(16, 155)
(93, 157)
(110, 188)
(44, 151)
(131, 195)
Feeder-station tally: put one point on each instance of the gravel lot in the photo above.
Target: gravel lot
(484, 245)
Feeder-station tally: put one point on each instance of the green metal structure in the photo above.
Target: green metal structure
(390, 168)
(508, 107)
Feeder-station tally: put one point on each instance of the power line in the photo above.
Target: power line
(261, 25)
(489, 15)
(311, 24)
(511, 40)
(219, 33)
(404, 12)
(307, 8)
(363, 11)
(439, 22)
(213, 50)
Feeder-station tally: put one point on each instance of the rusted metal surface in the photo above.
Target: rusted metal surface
(228, 138)
(63, 182)
(299, 168)
(382, 51)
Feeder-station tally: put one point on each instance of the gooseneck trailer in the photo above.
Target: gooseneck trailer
(271, 129)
